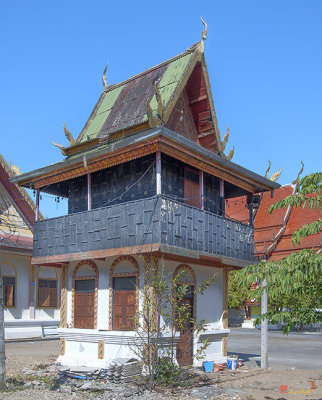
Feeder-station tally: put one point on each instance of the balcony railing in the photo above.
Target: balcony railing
(158, 219)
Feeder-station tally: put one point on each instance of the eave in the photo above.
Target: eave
(139, 145)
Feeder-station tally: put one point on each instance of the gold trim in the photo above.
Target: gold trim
(100, 349)
(63, 295)
(165, 145)
(62, 346)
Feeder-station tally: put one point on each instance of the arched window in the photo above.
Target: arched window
(47, 288)
(185, 342)
(9, 278)
(84, 295)
(124, 293)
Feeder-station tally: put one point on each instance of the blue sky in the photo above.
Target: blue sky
(264, 60)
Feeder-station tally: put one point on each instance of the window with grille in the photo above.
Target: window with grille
(47, 293)
(9, 291)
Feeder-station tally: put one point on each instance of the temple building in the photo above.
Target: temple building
(146, 182)
(273, 232)
(30, 292)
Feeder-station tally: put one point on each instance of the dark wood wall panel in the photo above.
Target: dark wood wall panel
(211, 192)
(77, 196)
(172, 181)
(159, 219)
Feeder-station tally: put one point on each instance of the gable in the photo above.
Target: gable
(12, 220)
(125, 105)
(152, 98)
(181, 119)
(16, 206)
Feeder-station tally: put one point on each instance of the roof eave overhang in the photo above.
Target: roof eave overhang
(139, 145)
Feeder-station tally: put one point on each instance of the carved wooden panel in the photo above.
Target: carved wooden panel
(123, 310)
(84, 310)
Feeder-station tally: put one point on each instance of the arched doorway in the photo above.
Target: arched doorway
(85, 286)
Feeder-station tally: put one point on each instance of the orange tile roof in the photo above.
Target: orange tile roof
(268, 226)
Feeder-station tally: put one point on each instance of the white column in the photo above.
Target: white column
(201, 190)
(158, 172)
(222, 195)
(37, 206)
(89, 191)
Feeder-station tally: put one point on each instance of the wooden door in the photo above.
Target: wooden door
(84, 304)
(191, 187)
(124, 302)
(184, 346)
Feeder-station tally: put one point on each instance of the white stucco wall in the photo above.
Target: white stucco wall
(81, 344)
(24, 320)
(21, 264)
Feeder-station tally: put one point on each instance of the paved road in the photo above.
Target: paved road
(299, 350)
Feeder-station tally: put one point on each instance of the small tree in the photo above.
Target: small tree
(294, 284)
(164, 315)
(237, 294)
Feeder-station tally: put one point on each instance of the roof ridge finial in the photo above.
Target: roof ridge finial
(69, 135)
(204, 32)
(104, 80)
(268, 169)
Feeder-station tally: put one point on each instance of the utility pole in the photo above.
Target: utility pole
(264, 326)
(2, 337)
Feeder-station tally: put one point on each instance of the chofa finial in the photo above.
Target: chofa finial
(104, 80)
(69, 135)
(297, 180)
(269, 167)
(204, 32)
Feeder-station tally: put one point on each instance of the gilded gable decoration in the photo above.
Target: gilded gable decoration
(275, 175)
(15, 169)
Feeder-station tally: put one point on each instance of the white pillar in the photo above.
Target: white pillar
(158, 172)
(201, 190)
(37, 206)
(89, 191)
(222, 196)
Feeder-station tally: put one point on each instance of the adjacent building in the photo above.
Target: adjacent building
(31, 292)
(273, 232)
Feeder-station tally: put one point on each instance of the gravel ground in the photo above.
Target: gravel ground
(31, 374)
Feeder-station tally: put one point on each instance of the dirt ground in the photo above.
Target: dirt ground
(246, 384)
(277, 384)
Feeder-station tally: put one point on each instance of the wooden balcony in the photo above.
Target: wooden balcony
(157, 219)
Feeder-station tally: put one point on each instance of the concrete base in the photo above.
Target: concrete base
(81, 346)
(28, 329)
